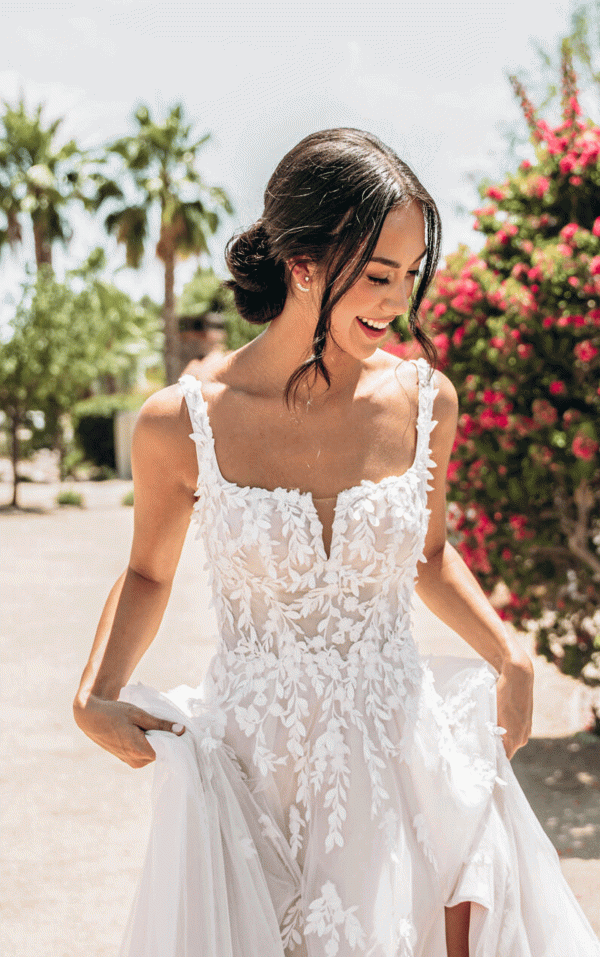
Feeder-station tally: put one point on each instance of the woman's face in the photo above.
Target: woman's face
(360, 321)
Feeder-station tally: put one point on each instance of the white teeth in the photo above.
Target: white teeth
(373, 324)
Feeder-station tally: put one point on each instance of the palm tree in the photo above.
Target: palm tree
(36, 179)
(159, 161)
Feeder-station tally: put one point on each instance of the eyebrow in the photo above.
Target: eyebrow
(392, 262)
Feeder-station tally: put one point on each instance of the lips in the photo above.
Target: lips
(370, 332)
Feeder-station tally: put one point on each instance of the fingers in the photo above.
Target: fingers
(147, 722)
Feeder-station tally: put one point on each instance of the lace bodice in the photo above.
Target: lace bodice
(275, 588)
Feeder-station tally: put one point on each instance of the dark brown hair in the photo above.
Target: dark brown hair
(326, 202)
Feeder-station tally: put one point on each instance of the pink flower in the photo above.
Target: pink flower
(540, 186)
(453, 470)
(489, 419)
(497, 342)
(467, 423)
(586, 350)
(583, 447)
(573, 281)
(595, 262)
(557, 387)
(439, 309)
(547, 322)
(525, 164)
(575, 180)
(596, 227)
(525, 350)
(571, 415)
(518, 523)
(567, 164)
(494, 192)
(458, 336)
(543, 412)
(568, 231)
(564, 250)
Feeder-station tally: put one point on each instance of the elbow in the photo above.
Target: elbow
(151, 576)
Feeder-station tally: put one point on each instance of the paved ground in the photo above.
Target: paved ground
(75, 819)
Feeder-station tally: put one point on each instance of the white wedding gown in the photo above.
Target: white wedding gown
(333, 790)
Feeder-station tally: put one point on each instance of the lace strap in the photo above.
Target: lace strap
(425, 421)
(196, 404)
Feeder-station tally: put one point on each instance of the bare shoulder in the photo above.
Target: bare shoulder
(218, 375)
(445, 414)
(162, 434)
(163, 412)
(445, 405)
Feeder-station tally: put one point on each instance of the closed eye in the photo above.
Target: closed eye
(377, 281)
(385, 282)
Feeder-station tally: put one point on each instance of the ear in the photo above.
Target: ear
(302, 273)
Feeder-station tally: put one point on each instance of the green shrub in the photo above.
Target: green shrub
(69, 497)
(93, 424)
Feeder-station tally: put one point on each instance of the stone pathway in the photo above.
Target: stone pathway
(75, 819)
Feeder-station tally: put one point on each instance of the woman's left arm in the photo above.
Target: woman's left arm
(450, 590)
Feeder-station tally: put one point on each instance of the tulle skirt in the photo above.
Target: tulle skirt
(220, 878)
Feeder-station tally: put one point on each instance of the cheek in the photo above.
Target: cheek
(363, 299)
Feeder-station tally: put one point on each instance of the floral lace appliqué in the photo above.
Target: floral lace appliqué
(327, 918)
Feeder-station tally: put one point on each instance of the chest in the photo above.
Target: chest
(313, 451)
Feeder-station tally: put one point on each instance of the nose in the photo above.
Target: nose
(397, 300)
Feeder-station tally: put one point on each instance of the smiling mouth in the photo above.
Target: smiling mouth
(373, 327)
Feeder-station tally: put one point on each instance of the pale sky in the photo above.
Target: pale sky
(428, 76)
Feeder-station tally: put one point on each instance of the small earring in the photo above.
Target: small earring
(304, 288)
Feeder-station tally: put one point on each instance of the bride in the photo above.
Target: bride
(326, 791)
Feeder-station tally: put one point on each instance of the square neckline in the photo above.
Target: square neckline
(279, 489)
(282, 491)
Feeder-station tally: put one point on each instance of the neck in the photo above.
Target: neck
(285, 344)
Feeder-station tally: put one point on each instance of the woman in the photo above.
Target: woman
(326, 792)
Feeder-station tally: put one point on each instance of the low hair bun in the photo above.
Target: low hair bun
(259, 284)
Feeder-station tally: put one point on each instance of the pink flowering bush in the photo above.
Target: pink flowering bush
(517, 328)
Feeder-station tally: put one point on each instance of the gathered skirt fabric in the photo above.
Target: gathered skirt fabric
(220, 878)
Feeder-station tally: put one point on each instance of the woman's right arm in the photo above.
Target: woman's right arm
(163, 462)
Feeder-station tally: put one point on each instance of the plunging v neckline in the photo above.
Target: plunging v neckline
(307, 497)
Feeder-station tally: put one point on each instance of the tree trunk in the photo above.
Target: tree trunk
(43, 248)
(14, 450)
(172, 346)
(55, 426)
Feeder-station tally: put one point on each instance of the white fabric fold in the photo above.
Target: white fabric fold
(218, 877)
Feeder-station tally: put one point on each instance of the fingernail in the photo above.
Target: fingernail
(177, 728)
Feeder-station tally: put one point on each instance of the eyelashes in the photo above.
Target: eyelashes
(385, 282)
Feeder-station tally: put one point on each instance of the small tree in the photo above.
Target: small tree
(63, 339)
(517, 327)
